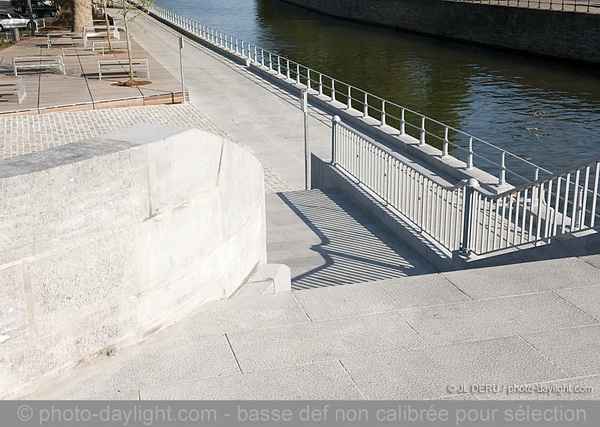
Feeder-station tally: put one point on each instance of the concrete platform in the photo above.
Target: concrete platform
(361, 341)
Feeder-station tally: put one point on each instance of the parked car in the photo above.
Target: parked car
(12, 20)
(39, 8)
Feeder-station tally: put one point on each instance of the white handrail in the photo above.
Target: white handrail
(466, 217)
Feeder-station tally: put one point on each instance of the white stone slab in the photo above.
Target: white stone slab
(496, 317)
(321, 341)
(448, 371)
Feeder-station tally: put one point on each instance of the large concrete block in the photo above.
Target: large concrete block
(113, 239)
(13, 307)
(65, 348)
(44, 209)
(182, 167)
(68, 285)
(238, 173)
(175, 239)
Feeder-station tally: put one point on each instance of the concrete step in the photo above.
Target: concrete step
(402, 338)
(327, 240)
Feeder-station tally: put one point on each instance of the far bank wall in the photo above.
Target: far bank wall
(566, 35)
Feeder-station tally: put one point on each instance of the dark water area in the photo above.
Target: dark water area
(540, 109)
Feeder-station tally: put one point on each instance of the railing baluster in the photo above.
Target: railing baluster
(446, 142)
(349, 98)
(595, 196)
(470, 155)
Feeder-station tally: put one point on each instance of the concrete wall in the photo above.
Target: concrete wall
(567, 35)
(103, 242)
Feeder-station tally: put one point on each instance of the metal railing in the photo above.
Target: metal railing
(585, 6)
(405, 123)
(466, 217)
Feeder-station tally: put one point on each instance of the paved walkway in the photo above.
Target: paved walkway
(409, 338)
(254, 112)
(80, 87)
(23, 134)
(328, 240)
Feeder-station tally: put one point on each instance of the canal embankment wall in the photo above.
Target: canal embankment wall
(566, 35)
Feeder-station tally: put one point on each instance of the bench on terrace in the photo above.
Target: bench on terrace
(121, 66)
(13, 87)
(38, 62)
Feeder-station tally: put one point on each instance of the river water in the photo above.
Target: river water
(540, 109)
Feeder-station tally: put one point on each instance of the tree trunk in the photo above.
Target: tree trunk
(131, 79)
(82, 15)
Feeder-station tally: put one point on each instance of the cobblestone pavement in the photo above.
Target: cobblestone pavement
(23, 134)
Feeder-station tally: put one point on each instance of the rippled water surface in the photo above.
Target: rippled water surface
(537, 108)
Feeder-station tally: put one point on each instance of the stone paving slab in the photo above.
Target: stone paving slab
(576, 351)
(497, 317)
(241, 314)
(375, 297)
(430, 373)
(587, 299)
(525, 277)
(319, 381)
(172, 361)
(321, 341)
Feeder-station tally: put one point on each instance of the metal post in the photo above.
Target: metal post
(181, 67)
(306, 148)
(334, 123)
(465, 245)
(502, 177)
(446, 142)
(470, 155)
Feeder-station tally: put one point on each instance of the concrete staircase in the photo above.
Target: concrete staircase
(403, 338)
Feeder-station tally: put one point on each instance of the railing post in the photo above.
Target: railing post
(333, 90)
(422, 136)
(320, 84)
(298, 73)
(502, 177)
(334, 124)
(349, 97)
(366, 102)
(465, 244)
(446, 142)
(402, 122)
(383, 113)
(470, 155)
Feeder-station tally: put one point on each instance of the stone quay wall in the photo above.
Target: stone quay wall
(566, 35)
(106, 241)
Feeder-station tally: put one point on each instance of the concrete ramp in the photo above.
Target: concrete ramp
(326, 239)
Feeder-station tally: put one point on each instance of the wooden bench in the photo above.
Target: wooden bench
(121, 66)
(38, 62)
(13, 87)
